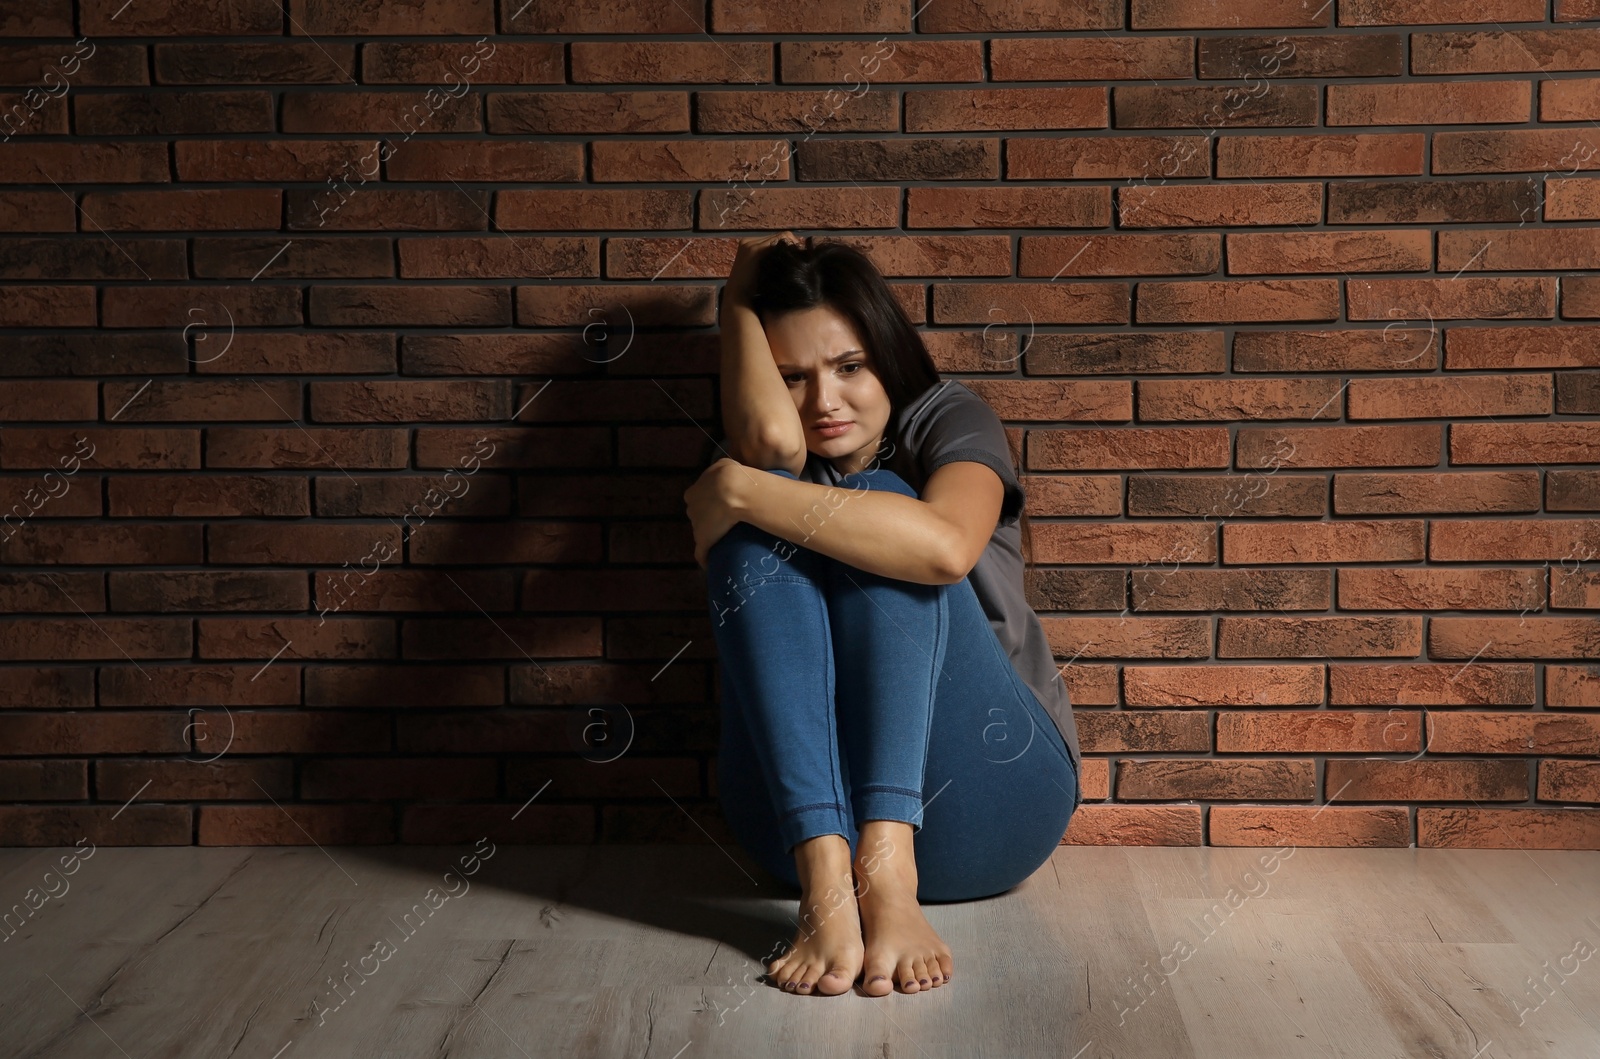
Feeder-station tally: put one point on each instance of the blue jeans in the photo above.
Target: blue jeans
(848, 696)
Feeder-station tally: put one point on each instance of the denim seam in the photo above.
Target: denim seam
(870, 788)
(808, 808)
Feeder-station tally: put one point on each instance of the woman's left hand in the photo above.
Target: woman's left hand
(712, 503)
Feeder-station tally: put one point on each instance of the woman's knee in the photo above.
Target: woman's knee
(879, 478)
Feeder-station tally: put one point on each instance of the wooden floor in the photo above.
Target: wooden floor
(645, 952)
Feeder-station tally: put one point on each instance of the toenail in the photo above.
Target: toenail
(878, 978)
(924, 981)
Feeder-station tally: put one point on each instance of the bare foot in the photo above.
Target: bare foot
(827, 951)
(902, 948)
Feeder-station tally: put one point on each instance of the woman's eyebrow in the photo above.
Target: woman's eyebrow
(831, 360)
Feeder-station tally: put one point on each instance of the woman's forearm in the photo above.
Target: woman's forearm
(885, 533)
(758, 415)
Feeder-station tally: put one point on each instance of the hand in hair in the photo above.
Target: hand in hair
(744, 264)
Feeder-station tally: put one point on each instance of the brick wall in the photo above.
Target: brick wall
(358, 355)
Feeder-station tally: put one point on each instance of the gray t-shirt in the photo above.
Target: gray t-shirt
(949, 423)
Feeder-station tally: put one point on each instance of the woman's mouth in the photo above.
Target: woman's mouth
(833, 430)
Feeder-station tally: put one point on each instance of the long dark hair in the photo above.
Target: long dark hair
(791, 277)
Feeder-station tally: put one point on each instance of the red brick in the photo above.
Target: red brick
(1099, 58)
(405, 112)
(71, 733)
(1522, 347)
(1436, 12)
(1505, 51)
(1340, 252)
(1281, 55)
(1572, 490)
(367, 779)
(1374, 589)
(54, 781)
(194, 18)
(743, 208)
(1252, 779)
(821, 16)
(1127, 448)
(183, 211)
(375, 306)
(1573, 687)
(852, 62)
(1464, 298)
(1226, 496)
(1063, 303)
(1388, 349)
(1211, 590)
(648, 305)
(114, 448)
(1485, 780)
(1076, 495)
(1142, 637)
(1127, 352)
(373, 18)
(1091, 683)
(1143, 731)
(1524, 443)
(1479, 395)
(105, 825)
(671, 62)
(269, 258)
(1136, 825)
(37, 211)
(254, 447)
(1119, 255)
(743, 163)
(1218, 205)
(625, 16)
(971, 109)
(835, 110)
(1523, 637)
(196, 685)
(1318, 637)
(1517, 150)
(1353, 541)
(1006, 207)
(1230, 302)
(1452, 492)
(1094, 779)
(448, 65)
(974, 16)
(295, 825)
(486, 161)
(1223, 685)
(496, 255)
(83, 163)
(1574, 588)
(246, 306)
(1502, 539)
(1577, 10)
(1453, 684)
(1107, 157)
(1442, 201)
(1336, 155)
(1508, 828)
(930, 158)
(47, 307)
(1430, 103)
(1294, 826)
(1569, 781)
(589, 112)
(1318, 732)
(1124, 543)
(1408, 445)
(1221, 14)
(252, 63)
(1208, 107)
(194, 780)
(264, 160)
(1512, 733)
(1239, 399)
(1530, 249)
(40, 18)
(164, 113)
(308, 731)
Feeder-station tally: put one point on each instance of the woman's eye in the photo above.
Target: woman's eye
(853, 364)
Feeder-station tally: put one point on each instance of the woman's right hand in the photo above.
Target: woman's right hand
(744, 263)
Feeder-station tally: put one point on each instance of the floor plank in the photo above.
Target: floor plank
(655, 952)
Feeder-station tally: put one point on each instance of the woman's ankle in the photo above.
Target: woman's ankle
(822, 860)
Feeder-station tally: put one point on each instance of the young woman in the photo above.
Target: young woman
(894, 727)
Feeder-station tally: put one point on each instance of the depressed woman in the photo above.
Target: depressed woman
(894, 729)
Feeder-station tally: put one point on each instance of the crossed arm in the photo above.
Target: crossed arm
(934, 540)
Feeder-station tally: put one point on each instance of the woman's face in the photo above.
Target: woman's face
(831, 378)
